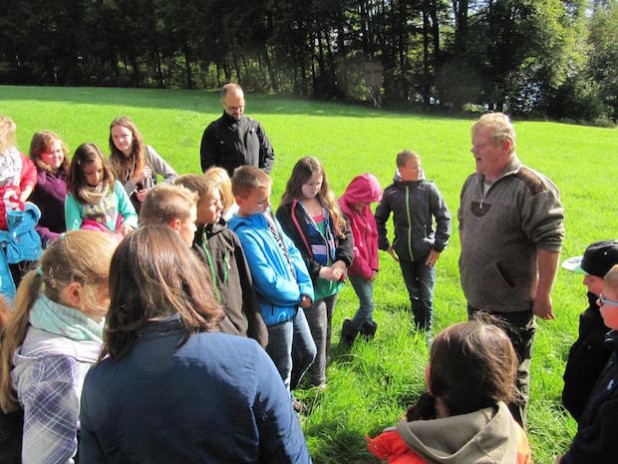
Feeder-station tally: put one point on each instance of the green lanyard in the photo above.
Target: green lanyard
(213, 274)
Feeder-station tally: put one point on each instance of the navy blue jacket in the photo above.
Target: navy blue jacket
(587, 359)
(595, 441)
(218, 398)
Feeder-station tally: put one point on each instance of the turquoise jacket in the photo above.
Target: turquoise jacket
(278, 290)
(105, 213)
(19, 243)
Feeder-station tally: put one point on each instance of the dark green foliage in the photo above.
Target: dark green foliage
(514, 55)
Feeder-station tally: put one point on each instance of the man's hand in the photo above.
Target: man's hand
(432, 258)
(542, 307)
(391, 252)
(547, 263)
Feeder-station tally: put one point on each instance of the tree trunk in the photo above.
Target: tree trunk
(426, 72)
(188, 73)
(271, 71)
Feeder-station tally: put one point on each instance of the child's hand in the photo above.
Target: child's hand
(141, 194)
(124, 230)
(432, 258)
(374, 274)
(305, 302)
(326, 273)
(391, 252)
(141, 175)
(338, 270)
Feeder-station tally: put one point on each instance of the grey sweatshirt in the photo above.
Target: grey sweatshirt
(501, 229)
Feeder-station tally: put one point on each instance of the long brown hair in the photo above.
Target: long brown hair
(472, 365)
(86, 154)
(43, 141)
(78, 256)
(121, 163)
(301, 173)
(154, 275)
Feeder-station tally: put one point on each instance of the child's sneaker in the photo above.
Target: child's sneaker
(348, 333)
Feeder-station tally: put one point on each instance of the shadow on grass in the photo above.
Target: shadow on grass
(200, 101)
(331, 443)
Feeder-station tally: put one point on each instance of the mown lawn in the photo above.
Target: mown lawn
(370, 386)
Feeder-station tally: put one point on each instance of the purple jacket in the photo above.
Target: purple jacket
(48, 195)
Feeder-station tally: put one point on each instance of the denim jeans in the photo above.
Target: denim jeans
(320, 317)
(291, 348)
(364, 291)
(420, 281)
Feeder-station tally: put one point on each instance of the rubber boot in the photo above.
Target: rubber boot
(348, 333)
(368, 330)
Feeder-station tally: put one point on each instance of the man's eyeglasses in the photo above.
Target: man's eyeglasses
(607, 301)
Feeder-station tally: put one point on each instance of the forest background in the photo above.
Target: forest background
(536, 58)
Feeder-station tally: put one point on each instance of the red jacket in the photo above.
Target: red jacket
(10, 190)
(363, 189)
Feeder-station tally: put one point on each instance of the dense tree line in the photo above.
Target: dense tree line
(545, 57)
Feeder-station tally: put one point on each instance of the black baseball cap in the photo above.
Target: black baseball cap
(598, 259)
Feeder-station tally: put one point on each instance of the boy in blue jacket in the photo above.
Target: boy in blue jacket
(280, 278)
(415, 203)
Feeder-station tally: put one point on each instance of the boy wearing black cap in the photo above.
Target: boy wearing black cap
(588, 355)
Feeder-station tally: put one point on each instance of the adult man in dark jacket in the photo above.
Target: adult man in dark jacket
(234, 139)
(511, 228)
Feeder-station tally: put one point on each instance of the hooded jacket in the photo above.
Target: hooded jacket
(225, 258)
(362, 189)
(414, 205)
(48, 376)
(301, 228)
(19, 243)
(587, 359)
(595, 440)
(278, 289)
(486, 436)
(17, 173)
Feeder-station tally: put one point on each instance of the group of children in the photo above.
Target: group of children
(275, 278)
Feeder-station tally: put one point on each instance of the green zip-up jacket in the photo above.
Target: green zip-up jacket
(221, 251)
(415, 205)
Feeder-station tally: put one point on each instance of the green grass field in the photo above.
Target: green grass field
(372, 385)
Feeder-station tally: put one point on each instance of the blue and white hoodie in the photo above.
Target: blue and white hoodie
(278, 290)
